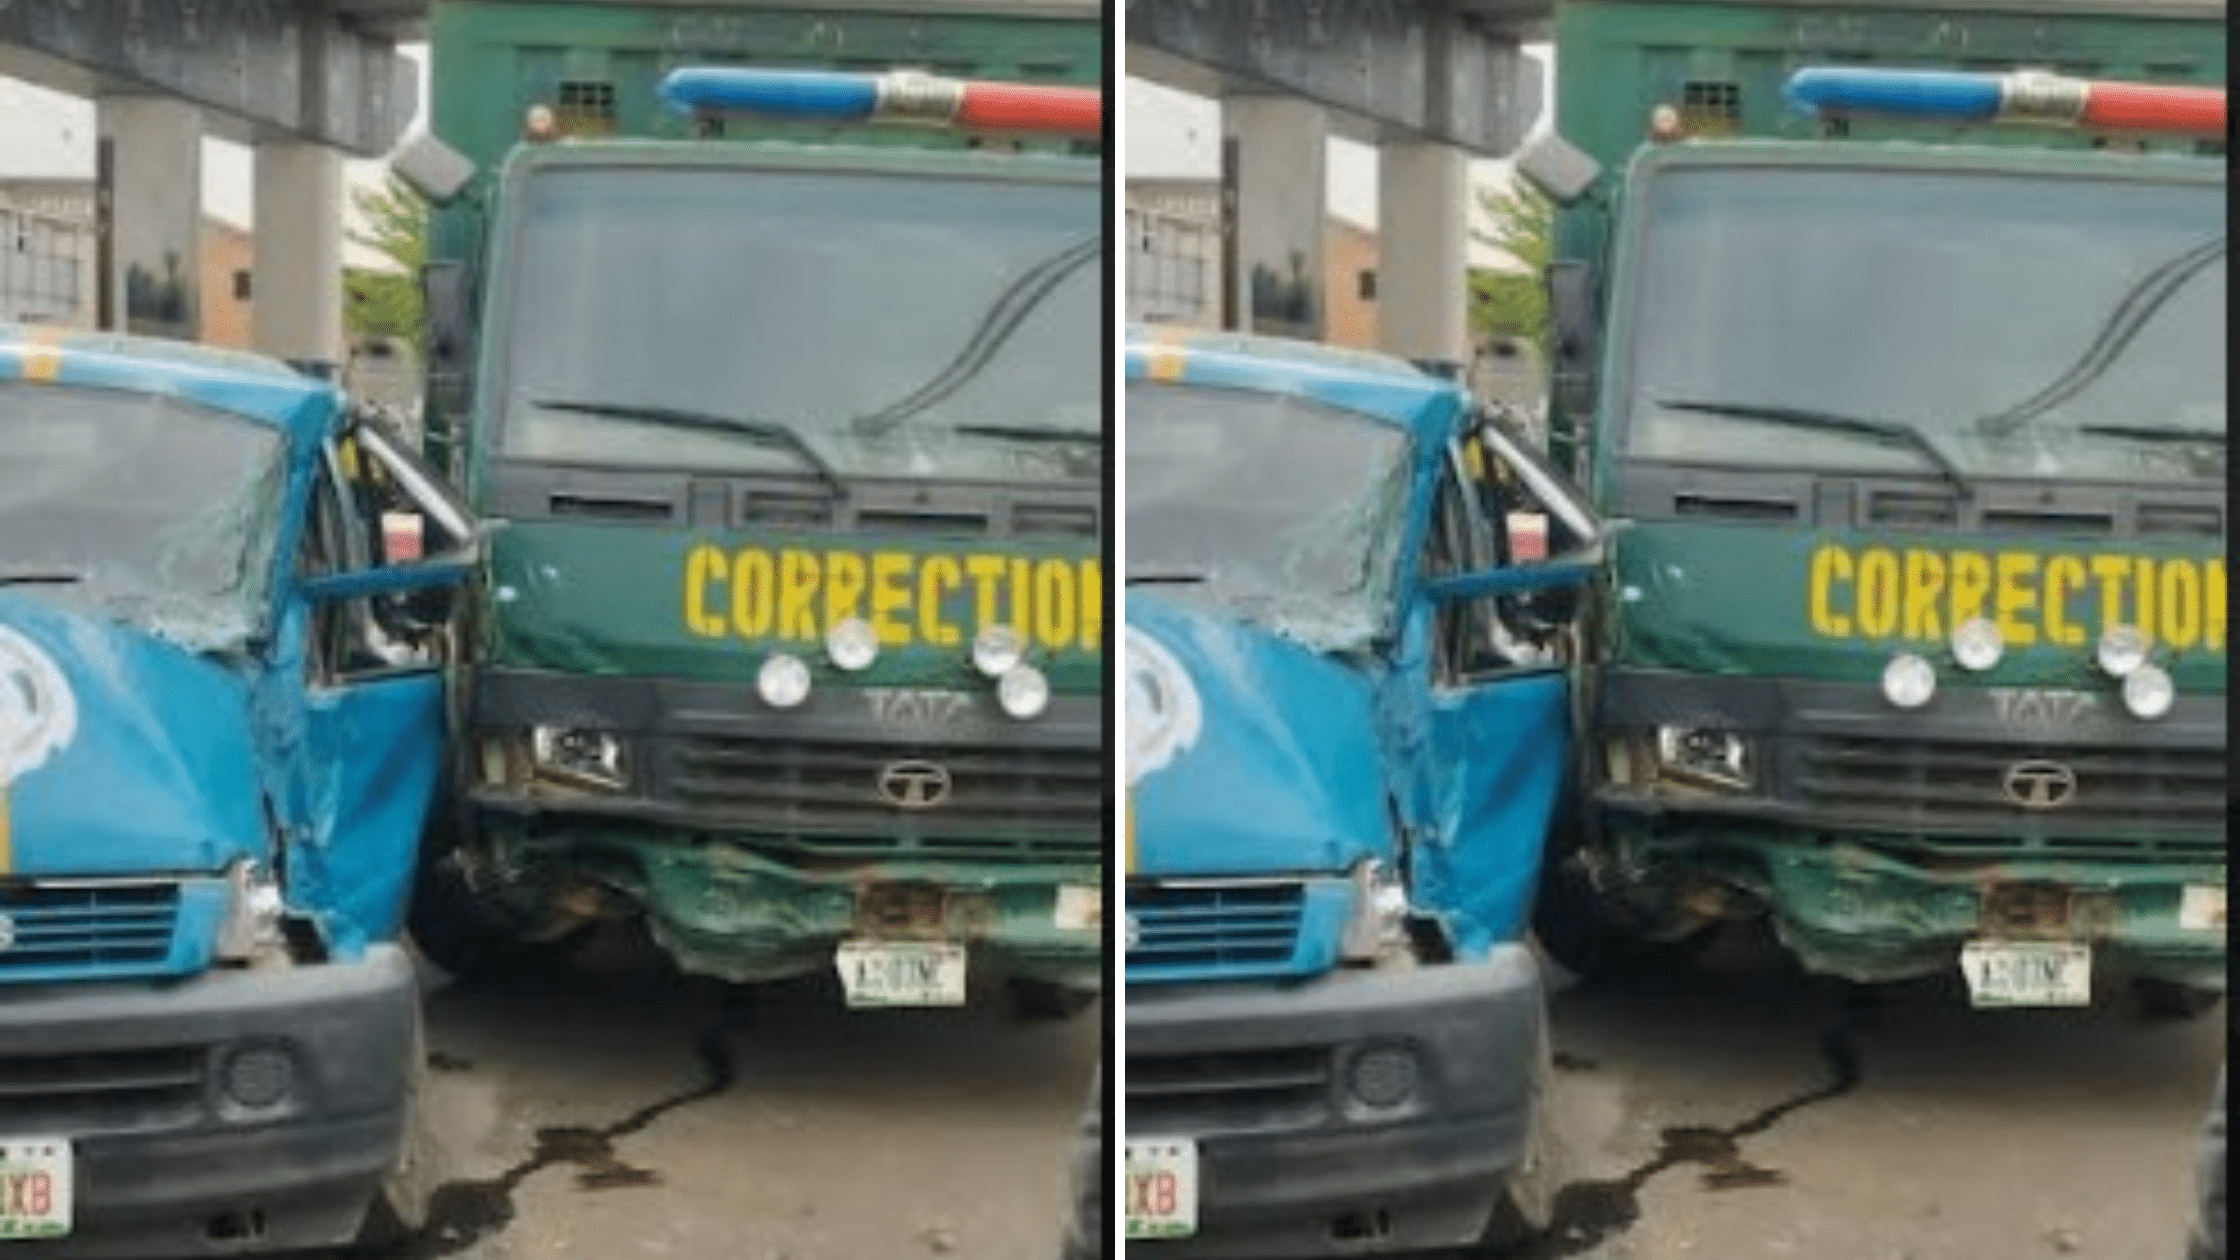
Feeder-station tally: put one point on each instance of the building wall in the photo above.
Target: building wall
(1349, 271)
(226, 299)
(46, 267)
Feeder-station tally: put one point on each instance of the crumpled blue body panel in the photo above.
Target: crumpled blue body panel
(159, 773)
(174, 763)
(1282, 774)
(1303, 762)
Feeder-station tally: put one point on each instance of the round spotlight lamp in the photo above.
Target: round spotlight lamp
(783, 681)
(2122, 649)
(851, 644)
(1023, 692)
(997, 650)
(1977, 644)
(1908, 681)
(2148, 692)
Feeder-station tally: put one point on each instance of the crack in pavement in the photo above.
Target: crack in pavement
(1589, 1213)
(462, 1213)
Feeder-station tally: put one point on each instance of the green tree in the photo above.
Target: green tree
(1515, 303)
(378, 302)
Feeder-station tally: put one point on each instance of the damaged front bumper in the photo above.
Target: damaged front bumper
(722, 908)
(1873, 908)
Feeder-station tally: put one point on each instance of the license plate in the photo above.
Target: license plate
(2027, 973)
(902, 974)
(34, 1188)
(1162, 1183)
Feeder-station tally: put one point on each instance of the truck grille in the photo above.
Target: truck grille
(1002, 803)
(2174, 799)
(107, 1091)
(1200, 932)
(90, 931)
(1237, 1091)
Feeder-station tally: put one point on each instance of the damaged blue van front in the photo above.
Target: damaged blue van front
(221, 713)
(1349, 623)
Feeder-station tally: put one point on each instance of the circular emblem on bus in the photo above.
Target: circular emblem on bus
(38, 714)
(1163, 713)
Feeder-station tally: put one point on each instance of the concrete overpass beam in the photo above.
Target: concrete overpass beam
(295, 284)
(1423, 191)
(149, 159)
(1274, 150)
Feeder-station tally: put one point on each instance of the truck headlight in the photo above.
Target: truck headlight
(581, 758)
(1908, 681)
(851, 644)
(251, 928)
(997, 650)
(1378, 930)
(1719, 759)
(783, 681)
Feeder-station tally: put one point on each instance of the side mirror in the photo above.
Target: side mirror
(1558, 169)
(432, 168)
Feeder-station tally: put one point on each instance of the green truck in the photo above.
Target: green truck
(1913, 415)
(789, 641)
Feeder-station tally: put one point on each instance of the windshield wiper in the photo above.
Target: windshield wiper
(2149, 433)
(1168, 577)
(1888, 432)
(40, 577)
(2133, 309)
(1028, 433)
(766, 432)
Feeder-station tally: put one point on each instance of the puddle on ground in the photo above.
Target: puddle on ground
(462, 1213)
(1589, 1213)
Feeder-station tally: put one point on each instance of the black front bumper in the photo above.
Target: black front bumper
(166, 1165)
(1290, 1162)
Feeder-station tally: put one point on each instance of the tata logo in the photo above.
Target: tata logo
(2040, 784)
(914, 784)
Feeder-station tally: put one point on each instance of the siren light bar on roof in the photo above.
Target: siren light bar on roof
(898, 96)
(2023, 96)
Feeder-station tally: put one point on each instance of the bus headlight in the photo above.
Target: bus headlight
(783, 681)
(1378, 930)
(1908, 681)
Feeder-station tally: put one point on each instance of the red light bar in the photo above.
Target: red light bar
(2188, 111)
(899, 96)
(2023, 96)
(1018, 107)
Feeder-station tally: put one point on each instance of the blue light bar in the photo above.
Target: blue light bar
(1929, 95)
(806, 95)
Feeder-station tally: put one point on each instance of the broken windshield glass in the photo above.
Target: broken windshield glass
(1280, 510)
(900, 326)
(148, 509)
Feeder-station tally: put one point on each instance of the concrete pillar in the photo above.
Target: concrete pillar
(1272, 173)
(1422, 260)
(149, 174)
(295, 282)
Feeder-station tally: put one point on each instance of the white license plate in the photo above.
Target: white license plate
(1162, 1188)
(902, 973)
(34, 1188)
(2027, 973)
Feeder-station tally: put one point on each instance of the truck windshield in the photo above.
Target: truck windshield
(2019, 325)
(900, 326)
(1280, 510)
(152, 510)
